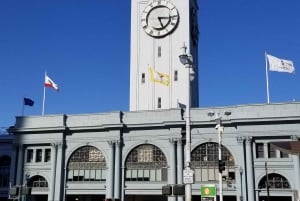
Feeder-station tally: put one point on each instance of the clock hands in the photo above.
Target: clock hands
(162, 20)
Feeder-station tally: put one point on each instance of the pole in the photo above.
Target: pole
(267, 80)
(267, 181)
(23, 105)
(187, 61)
(44, 97)
(188, 187)
(241, 179)
(220, 158)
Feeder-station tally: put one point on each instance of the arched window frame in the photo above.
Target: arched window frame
(205, 162)
(146, 163)
(87, 164)
(275, 181)
(37, 182)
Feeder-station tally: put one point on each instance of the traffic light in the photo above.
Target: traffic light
(167, 190)
(25, 190)
(14, 191)
(179, 189)
(221, 166)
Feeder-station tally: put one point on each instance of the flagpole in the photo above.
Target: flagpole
(267, 79)
(44, 97)
(23, 106)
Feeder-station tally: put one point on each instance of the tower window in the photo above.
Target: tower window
(159, 51)
(159, 102)
(143, 77)
(175, 75)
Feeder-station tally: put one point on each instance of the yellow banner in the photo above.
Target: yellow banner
(159, 77)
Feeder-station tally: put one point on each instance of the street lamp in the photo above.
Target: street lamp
(187, 61)
(241, 179)
(221, 163)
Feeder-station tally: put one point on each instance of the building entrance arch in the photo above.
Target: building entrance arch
(274, 187)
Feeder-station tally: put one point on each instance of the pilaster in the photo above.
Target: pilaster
(110, 175)
(296, 161)
(249, 169)
(59, 175)
(118, 145)
(20, 165)
(12, 172)
(172, 165)
(179, 151)
(53, 172)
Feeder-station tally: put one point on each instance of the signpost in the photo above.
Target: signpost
(188, 176)
(208, 192)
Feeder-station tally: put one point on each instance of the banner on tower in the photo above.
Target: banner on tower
(159, 77)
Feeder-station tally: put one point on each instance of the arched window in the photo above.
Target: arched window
(38, 182)
(205, 162)
(146, 163)
(87, 164)
(275, 181)
(4, 170)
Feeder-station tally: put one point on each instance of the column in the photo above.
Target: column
(20, 164)
(118, 171)
(53, 172)
(179, 165)
(296, 162)
(110, 178)
(123, 183)
(59, 184)
(12, 170)
(172, 165)
(249, 169)
(240, 172)
(297, 177)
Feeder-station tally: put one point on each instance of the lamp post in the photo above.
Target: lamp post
(220, 130)
(241, 179)
(187, 61)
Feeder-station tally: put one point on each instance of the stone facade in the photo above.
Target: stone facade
(131, 155)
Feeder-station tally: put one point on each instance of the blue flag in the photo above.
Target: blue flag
(28, 101)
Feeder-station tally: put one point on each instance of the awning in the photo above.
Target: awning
(291, 147)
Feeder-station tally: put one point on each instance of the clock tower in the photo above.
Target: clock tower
(159, 30)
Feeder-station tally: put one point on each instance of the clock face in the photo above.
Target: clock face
(159, 18)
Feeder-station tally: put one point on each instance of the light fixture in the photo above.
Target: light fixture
(211, 113)
(227, 113)
(185, 59)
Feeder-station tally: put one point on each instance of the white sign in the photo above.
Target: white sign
(188, 176)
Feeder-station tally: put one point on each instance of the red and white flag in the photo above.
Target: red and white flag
(50, 83)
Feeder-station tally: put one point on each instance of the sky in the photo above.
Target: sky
(84, 46)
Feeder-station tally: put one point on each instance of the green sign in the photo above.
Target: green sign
(208, 190)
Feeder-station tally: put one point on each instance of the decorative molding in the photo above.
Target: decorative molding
(240, 139)
(179, 141)
(172, 140)
(248, 140)
(56, 144)
(111, 143)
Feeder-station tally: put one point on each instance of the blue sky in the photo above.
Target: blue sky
(85, 48)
